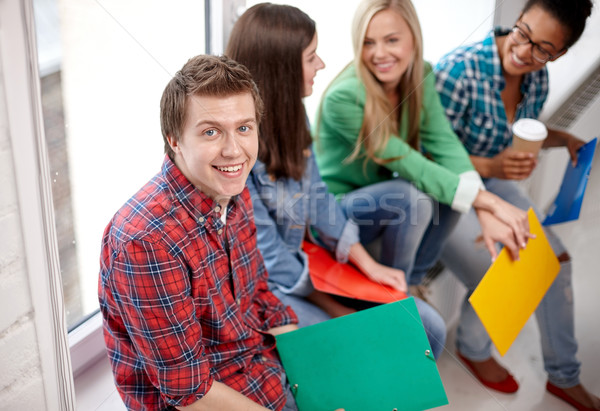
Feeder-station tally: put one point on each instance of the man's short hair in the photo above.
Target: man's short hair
(203, 75)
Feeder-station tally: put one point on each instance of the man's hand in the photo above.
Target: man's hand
(222, 397)
(282, 329)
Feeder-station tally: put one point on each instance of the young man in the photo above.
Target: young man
(188, 317)
(485, 87)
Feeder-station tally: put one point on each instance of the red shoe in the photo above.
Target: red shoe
(508, 385)
(560, 393)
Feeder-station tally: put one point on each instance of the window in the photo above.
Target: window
(103, 66)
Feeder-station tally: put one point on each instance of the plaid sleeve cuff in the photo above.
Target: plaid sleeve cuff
(281, 317)
(181, 386)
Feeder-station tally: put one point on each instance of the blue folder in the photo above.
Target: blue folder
(567, 204)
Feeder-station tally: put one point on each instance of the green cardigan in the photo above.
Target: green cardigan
(339, 121)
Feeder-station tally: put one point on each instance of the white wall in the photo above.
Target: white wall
(35, 366)
(21, 376)
(567, 72)
(447, 27)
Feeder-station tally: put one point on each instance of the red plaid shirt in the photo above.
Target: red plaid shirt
(185, 299)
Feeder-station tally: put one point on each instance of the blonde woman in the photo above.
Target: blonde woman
(385, 147)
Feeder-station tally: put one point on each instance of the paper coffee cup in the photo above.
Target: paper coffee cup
(528, 135)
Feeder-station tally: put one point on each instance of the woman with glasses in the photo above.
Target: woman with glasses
(485, 88)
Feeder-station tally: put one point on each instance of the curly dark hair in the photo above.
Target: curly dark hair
(572, 14)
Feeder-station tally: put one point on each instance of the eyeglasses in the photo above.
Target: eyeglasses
(537, 52)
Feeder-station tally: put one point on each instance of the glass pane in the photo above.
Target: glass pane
(103, 66)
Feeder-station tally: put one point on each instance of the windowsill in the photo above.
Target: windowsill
(94, 385)
(87, 344)
(95, 388)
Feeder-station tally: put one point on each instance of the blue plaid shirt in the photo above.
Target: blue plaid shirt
(470, 80)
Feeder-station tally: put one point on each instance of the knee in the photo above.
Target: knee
(434, 325)
(437, 336)
(412, 206)
(437, 326)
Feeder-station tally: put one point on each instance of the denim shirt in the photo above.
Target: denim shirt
(284, 210)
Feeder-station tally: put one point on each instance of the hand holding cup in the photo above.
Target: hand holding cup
(528, 135)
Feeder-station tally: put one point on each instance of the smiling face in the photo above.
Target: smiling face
(311, 63)
(218, 145)
(388, 48)
(542, 29)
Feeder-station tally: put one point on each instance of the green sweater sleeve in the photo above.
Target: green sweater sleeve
(338, 126)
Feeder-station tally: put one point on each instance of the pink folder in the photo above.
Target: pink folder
(331, 277)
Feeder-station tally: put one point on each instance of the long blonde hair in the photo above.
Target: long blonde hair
(379, 121)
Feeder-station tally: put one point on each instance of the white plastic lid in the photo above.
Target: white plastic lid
(530, 129)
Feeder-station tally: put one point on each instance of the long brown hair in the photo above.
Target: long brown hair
(269, 39)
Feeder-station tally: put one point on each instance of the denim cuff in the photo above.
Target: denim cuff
(303, 286)
(348, 238)
(469, 184)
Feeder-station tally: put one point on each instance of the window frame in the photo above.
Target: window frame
(86, 341)
(63, 355)
(34, 192)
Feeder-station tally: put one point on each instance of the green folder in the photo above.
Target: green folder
(375, 359)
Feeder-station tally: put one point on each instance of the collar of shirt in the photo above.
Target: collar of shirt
(203, 208)
(493, 57)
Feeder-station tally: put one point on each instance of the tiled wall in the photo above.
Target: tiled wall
(21, 384)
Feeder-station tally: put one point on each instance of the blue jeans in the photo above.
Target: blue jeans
(290, 400)
(309, 314)
(470, 261)
(412, 227)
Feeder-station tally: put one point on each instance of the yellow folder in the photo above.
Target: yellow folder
(511, 290)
